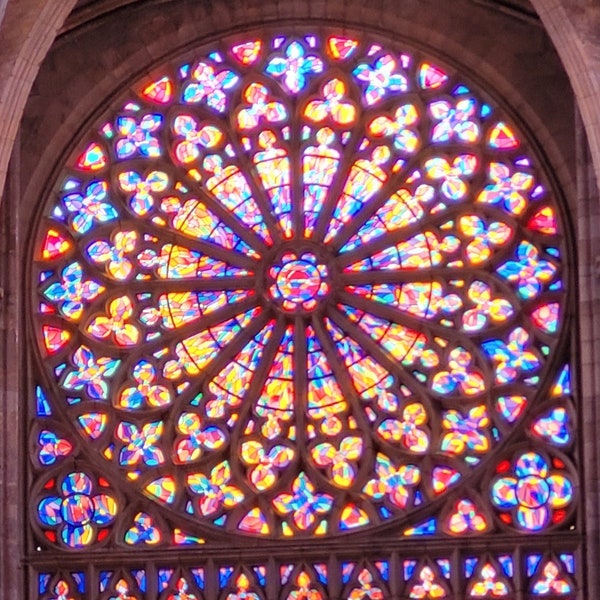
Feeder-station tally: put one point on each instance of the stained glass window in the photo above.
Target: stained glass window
(299, 287)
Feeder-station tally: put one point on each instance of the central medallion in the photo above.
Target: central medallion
(298, 281)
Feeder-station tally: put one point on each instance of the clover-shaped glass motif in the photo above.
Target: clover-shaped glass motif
(135, 137)
(243, 589)
(91, 373)
(382, 78)
(182, 591)
(392, 482)
(123, 592)
(294, 67)
(265, 466)
(489, 584)
(452, 174)
(304, 591)
(367, 588)
(52, 447)
(465, 432)
(214, 491)
(114, 324)
(261, 107)
(140, 444)
(210, 85)
(72, 291)
(332, 105)
(427, 586)
(90, 207)
(554, 426)
(461, 376)
(487, 308)
(405, 139)
(513, 356)
(146, 392)
(466, 518)
(455, 121)
(528, 272)
(115, 255)
(507, 190)
(484, 237)
(196, 438)
(281, 289)
(533, 492)
(143, 531)
(62, 591)
(339, 459)
(407, 432)
(303, 504)
(551, 582)
(195, 137)
(143, 189)
(78, 512)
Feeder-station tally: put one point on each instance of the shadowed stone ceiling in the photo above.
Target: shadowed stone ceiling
(86, 10)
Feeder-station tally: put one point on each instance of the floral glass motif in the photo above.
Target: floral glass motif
(335, 309)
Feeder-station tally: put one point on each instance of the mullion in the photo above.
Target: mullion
(192, 284)
(433, 223)
(366, 211)
(296, 154)
(400, 276)
(430, 329)
(373, 348)
(349, 156)
(205, 247)
(202, 113)
(256, 385)
(341, 375)
(300, 363)
(196, 191)
(394, 314)
(201, 325)
(246, 165)
(228, 353)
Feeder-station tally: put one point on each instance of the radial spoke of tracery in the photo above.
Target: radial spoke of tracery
(300, 285)
(365, 342)
(475, 303)
(274, 405)
(407, 206)
(341, 423)
(437, 246)
(203, 147)
(263, 130)
(162, 195)
(198, 219)
(418, 192)
(483, 233)
(439, 335)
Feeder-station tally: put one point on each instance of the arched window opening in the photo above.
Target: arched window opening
(300, 318)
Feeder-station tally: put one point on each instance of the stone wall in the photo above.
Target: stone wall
(58, 84)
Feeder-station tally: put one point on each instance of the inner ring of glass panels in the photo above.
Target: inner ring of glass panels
(300, 284)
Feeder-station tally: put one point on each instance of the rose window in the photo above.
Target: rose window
(302, 285)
